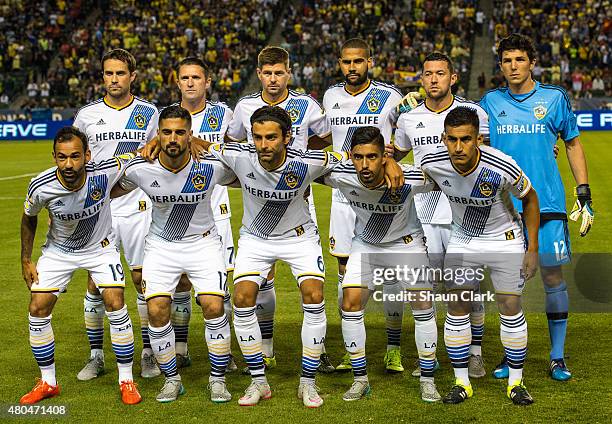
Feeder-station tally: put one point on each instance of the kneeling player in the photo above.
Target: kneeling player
(388, 234)
(77, 196)
(182, 231)
(487, 231)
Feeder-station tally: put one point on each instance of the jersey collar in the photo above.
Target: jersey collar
(522, 97)
(120, 107)
(440, 110)
(63, 184)
(175, 171)
(360, 91)
(469, 171)
(274, 103)
(197, 111)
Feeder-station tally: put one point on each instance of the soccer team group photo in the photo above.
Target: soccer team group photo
(306, 205)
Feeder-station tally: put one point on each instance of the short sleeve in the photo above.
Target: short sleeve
(152, 130)
(79, 123)
(520, 186)
(417, 179)
(317, 122)
(565, 120)
(34, 202)
(227, 153)
(484, 104)
(402, 142)
(236, 130)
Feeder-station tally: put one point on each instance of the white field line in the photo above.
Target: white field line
(15, 177)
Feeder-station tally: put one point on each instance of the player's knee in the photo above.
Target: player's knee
(91, 286)
(159, 311)
(184, 284)
(244, 299)
(351, 300)
(41, 307)
(458, 307)
(508, 304)
(113, 299)
(551, 276)
(212, 306)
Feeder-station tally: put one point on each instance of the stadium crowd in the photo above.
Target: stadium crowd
(572, 41)
(227, 35)
(30, 34)
(402, 32)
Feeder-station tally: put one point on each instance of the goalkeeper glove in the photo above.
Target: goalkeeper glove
(583, 208)
(409, 102)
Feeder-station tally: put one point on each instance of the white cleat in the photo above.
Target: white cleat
(92, 369)
(358, 390)
(218, 391)
(148, 366)
(309, 393)
(429, 393)
(254, 393)
(476, 367)
(171, 390)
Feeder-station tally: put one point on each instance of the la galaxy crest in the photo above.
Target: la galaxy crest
(198, 181)
(540, 112)
(140, 121)
(294, 114)
(373, 104)
(213, 122)
(96, 194)
(486, 189)
(291, 180)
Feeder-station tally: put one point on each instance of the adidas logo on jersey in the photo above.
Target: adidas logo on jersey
(155, 184)
(251, 176)
(420, 125)
(336, 106)
(101, 122)
(354, 193)
(502, 114)
(59, 203)
(446, 183)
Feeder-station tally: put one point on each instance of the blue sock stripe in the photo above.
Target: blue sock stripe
(267, 285)
(154, 334)
(423, 317)
(359, 366)
(394, 336)
(93, 298)
(314, 309)
(146, 341)
(352, 316)
(244, 313)
(457, 322)
(95, 337)
(169, 368)
(120, 320)
(181, 333)
(141, 297)
(267, 329)
(212, 325)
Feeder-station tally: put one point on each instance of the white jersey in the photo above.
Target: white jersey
(307, 118)
(382, 216)
(181, 199)
(80, 219)
(420, 130)
(111, 132)
(210, 124)
(274, 205)
(480, 199)
(373, 106)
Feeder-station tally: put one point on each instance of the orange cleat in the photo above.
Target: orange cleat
(129, 393)
(42, 390)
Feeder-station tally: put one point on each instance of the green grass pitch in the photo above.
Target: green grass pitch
(395, 398)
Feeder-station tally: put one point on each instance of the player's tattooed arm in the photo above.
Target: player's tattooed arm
(317, 143)
(531, 217)
(28, 231)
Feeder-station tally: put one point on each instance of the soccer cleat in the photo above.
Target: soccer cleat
(219, 392)
(231, 365)
(358, 390)
(183, 361)
(254, 393)
(129, 393)
(393, 361)
(501, 370)
(519, 395)
(325, 365)
(92, 369)
(171, 390)
(429, 393)
(42, 390)
(268, 364)
(148, 366)
(417, 370)
(476, 367)
(458, 393)
(309, 393)
(559, 371)
(345, 364)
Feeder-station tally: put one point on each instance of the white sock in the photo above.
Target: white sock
(426, 339)
(394, 313)
(217, 334)
(42, 342)
(93, 310)
(122, 338)
(513, 334)
(354, 335)
(457, 337)
(314, 326)
(265, 309)
(249, 339)
(162, 342)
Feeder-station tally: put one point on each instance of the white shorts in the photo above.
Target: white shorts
(164, 262)
(224, 228)
(503, 259)
(341, 228)
(256, 257)
(367, 263)
(55, 269)
(131, 232)
(437, 237)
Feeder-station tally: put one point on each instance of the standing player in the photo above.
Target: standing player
(277, 226)
(388, 234)
(77, 196)
(307, 123)
(182, 230)
(526, 119)
(358, 102)
(487, 231)
(209, 121)
(420, 130)
(116, 124)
